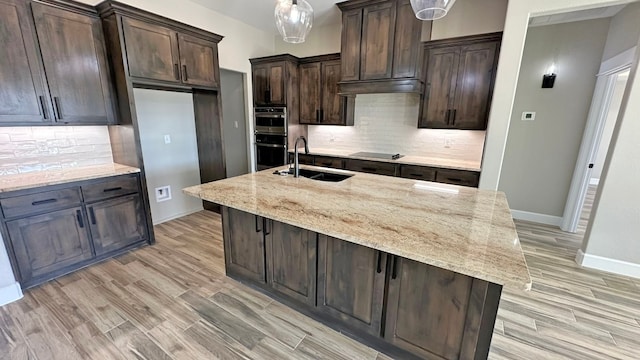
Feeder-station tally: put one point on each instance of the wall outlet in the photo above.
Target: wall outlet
(528, 116)
(167, 139)
(163, 193)
(235, 123)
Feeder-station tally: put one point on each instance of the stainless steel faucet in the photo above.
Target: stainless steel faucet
(296, 164)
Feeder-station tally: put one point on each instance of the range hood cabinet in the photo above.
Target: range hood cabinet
(380, 47)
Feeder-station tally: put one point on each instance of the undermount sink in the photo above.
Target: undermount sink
(321, 175)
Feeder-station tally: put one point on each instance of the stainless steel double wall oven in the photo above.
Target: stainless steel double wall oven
(270, 137)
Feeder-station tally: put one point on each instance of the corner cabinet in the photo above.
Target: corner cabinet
(51, 231)
(459, 77)
(43, 41)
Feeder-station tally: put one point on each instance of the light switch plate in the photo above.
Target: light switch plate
(528, 116)
(167, 139)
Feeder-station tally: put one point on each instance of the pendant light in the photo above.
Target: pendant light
(294, 19)
(431, 9)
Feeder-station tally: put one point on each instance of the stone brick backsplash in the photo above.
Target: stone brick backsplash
(29, 149)
(389, 123)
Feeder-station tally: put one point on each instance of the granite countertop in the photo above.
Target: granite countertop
(61, 176)
(461, 229)
(407, 159)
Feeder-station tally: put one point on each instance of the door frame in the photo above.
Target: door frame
(592, 136)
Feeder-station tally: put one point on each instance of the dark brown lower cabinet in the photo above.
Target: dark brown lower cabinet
(44, 244)
(244, 251)
(351, 283)
(117, 223)
(291, 253)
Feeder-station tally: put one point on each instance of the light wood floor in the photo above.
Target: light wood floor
(172, 301)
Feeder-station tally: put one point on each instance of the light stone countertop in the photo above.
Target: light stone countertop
(61, 176)
(461, 229)
(439, 162)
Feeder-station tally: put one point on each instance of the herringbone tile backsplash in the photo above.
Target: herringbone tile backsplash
(29, 149)
(389, 123)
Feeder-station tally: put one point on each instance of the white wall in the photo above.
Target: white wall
(234, 133)
(9, 289)
(624, 31)
(320, 41)
(175, 164)
(471, 17)
(541, 155)
(609, 125)
(388, 123)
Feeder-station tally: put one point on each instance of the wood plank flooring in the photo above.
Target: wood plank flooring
(172, 301)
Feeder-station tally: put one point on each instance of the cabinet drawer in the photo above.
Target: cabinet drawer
(302, 159)
(417, 172)
(110, 188)
(458, 177)
(371, 167)
(329, 162)
(40, 202)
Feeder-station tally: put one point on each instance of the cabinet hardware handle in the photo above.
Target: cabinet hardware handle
(257, 226)
(448, 116)
(379, 267)
(58, 108)
(112, 189)
(369, 169)
(92, 214)
(317, 115)
(44, 108)
(417, 175)
(79, 217)
(394, 268)
(321, 115)
(455, 179)
(267, 95)
(176, 71)
(185, 77)
(267, 232)
(326, 163)
(42, 202)
(454, 117)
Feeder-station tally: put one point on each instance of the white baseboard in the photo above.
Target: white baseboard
(537, 218)
(10, 293)
(607, 264)
(594, 181)
(189, 212)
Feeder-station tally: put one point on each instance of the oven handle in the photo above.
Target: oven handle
(283, 134)
(271, 145)
(270, 116)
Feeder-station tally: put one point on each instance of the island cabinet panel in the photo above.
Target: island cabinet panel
(291, 261)
(44, 244)
(22, 94)
(117, 223)
(351, 281)
(244, 249)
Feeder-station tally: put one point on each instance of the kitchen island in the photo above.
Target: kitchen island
(412, 268)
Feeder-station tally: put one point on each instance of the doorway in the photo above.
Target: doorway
(603, 115)
(234, 122)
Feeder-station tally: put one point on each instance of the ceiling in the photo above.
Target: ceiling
(590, 14)
(259, 13)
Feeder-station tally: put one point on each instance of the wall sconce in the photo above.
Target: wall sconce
(549, 78)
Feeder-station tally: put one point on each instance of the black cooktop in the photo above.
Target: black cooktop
(377, 155)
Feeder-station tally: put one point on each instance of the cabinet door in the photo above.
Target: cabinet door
(260, 84)
(152, 51)
(378, 33)
(441, 73)
(277, 80)
(22, 93)
(117, 223)
(244, 251)
(310, 90)
(350, 48)
(331, 111)
(426, 309)
(351, 283)
(48, 243)
(407, 42)
(74, 56)
(291, 254)
(371, 167)
(198, 59)
(475, 86)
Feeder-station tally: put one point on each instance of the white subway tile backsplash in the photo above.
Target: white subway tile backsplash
(29, 149)
(389, 123)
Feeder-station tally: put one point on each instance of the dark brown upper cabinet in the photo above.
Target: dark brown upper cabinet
(55, 69)
(157, 53)
(275, 81)
(380, 47)
(459, 76)
(320, 102)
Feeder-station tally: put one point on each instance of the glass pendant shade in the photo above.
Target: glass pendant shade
(294, 19)
(431, 9)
